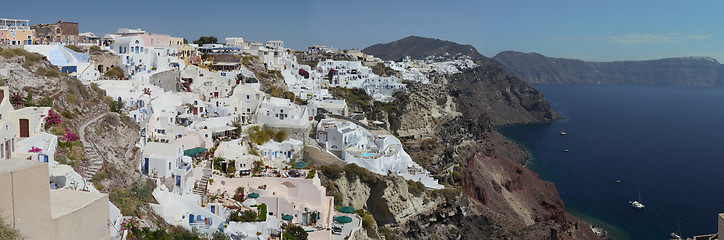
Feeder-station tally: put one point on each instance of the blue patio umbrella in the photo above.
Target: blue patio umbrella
(253, 195)
(287, 217)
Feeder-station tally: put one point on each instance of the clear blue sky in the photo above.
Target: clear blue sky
(588, 30)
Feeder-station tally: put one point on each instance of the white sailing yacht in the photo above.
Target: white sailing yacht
(637, 204)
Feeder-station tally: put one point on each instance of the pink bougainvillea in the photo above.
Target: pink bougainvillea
(16, 100)
(147, 91)
(34, 149)
(52, 119)
(70, 137)
(132, 225)
(239, 197)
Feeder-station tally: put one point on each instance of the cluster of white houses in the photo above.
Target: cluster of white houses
(375, 150)
(190, 109)
(41, 197)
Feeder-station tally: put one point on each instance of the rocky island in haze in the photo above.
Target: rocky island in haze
(684, 71)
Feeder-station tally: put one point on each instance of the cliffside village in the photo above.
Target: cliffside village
(216, 145)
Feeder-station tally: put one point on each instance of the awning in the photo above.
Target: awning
(287, 217)
(194, 151)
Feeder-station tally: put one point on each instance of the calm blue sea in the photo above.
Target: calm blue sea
(666, 142)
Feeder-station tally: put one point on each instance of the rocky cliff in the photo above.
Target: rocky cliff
(687, 71)
(448, 127)
(32, 77)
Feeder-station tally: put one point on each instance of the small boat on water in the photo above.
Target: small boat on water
(618, 181)
(673, 235)
(567, 150)
(563, 133)
(637, 204)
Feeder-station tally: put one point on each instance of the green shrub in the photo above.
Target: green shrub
(30, 58)
(231, 168)
(96, 88)
(415, 188)
(76, 87)
(218, 235)
(129, 202)
(115, 72)
(449, 193)
(71, 98)
(95, 49)
(58, 131)
(100, 176)
(247, 60)
(387, 233)
(122, 199)
(352, 171)
(276, 73)
(216, 162)
(116, 106)
(67, 114)
(8, 232)
(45, 102)
(270, 74)
(206, 40)
(280, 136)
(48, 72)
(74, 48)
(262, 212)
(311, 174)
(98, 185)
(260, 135)
(382, 70)
(294, 232)
(243, 216)
(368, 221)
(164, 234)
(332, 171)
(253, 150)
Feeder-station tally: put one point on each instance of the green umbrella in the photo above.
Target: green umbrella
(287, 217)
(300, 165)
(253, 195)
(194, 151)
(343, 219)
(346, 209)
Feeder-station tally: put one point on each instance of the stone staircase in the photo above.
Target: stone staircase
(93, 165)
(90, 167)
(46, 144)
(200, 187)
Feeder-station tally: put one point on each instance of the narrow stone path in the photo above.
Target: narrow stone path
(94, 163)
